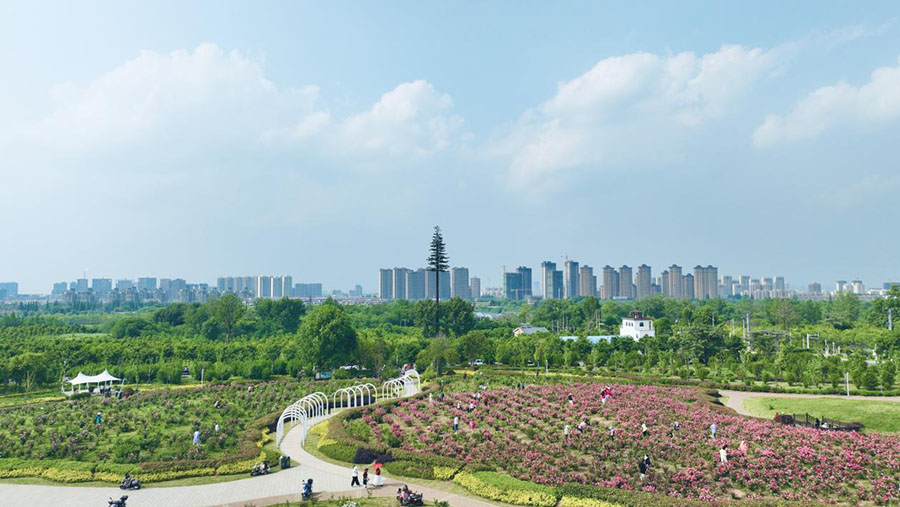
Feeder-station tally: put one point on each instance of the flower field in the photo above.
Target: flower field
(521, 432)
(148, 433)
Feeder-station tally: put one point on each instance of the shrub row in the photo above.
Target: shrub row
(504, 488)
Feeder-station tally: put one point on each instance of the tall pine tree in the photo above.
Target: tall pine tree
(437, 263)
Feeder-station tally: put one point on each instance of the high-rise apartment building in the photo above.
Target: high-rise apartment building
(587, 281)
(385, 284)
(124, 284)
(308, 290)
(548, 278)
(81, 285)
(643, 282)
(415, 284)
(610, 288)
(706, 282)
(626, 286)
(147, 283)
(398, 283)
(459, 283)
(815, 288)
(431, 280)
(570, 279)
(512, 286)
(676, 283)
(525, 274)
(475, 286)
(59, 289)
(101, 287)
(687, 286)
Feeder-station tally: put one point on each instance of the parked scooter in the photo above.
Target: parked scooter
(118, 503)
(407, 497)
(259, 469)
(307, 490)
(130, 482)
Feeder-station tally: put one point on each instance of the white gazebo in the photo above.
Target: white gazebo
(81, 379)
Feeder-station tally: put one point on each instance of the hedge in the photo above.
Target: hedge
(410, 469)
(504, 488)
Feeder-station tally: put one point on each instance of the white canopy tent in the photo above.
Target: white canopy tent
(81, 379)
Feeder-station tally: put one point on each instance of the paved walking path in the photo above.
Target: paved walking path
(736, 399)
(329, 480)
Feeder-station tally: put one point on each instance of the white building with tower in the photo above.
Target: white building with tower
(637, 326)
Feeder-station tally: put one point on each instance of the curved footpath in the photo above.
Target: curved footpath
(736, 399)
(329, 481)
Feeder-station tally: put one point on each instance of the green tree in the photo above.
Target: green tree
(843, 311)
(460, 316)
(438, 263)
(326, 337)
(281, 314)
(228, 310)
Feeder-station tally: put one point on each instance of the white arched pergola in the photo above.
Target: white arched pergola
(407, 385)
(313, 408)
(308, 410)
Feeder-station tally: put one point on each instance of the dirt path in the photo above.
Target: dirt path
(736, 399)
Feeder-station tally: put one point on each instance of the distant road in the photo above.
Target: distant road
(736, 399)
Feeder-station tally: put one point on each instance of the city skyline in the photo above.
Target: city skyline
(324, 139)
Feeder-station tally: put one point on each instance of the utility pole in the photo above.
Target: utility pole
(847, 381)
(890, 319)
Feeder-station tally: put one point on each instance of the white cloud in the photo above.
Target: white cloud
(828, 107)
(196, 102)
(413, 118)
(627, 107)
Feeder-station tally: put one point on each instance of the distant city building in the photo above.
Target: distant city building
(610, 288)
(9, 289)
(122, 285)
(431, 280)
(643, 282)
(147, 283)
(626, 286)
(81, 285)
(307, 290)
(705, 282)
(675, 283)
(386, 284)
(517, 285)
(637, 326)
(570, 279)
(815, 288)
(415, 284)
(398, 283)
(889, 285)
(459, 283)
(687, 287)
(587, 281)
(357, 291)
(59, 288)
(475, 285)
(101, 287)
(552, 281)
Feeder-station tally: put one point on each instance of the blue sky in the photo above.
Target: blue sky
(324, 140)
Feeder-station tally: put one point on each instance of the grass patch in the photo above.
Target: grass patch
(883, 416)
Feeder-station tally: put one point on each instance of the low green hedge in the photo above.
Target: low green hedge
(410, 469)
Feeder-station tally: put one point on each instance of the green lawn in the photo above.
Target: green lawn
(881, 416)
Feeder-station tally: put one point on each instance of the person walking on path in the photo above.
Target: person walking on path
(366, 478)
(196, 439)
(723, 453)
(712, 430)
(98, 420)
(378, 480)
(354, 476)
(644, 430)
(455, 423)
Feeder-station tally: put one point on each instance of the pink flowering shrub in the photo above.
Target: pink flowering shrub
(521, 432)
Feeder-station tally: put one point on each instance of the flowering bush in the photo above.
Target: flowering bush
(522, 433)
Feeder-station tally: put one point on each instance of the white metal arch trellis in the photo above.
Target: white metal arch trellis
(308, 410)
